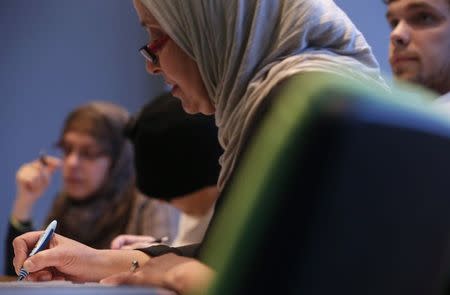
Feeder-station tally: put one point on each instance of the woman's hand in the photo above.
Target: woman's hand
(130, 242)
(32, 180)
(169, 271)
(70, 260)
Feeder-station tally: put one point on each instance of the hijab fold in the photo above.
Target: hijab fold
(243, 48)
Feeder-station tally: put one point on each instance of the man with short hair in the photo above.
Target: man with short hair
(176, 157)
(419, 50)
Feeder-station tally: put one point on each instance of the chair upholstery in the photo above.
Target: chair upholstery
(343, 190)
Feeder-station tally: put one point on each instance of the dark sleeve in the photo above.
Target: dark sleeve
(158, 250)
(11, 235)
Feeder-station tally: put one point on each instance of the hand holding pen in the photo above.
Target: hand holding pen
(67, 259)
(40, 245)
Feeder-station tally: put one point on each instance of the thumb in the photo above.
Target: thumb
(116, 243)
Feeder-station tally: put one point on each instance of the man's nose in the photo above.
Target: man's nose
(401, 35)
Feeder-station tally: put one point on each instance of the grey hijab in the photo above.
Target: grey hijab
(243, 48)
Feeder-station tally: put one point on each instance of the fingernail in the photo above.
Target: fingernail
(28, 265)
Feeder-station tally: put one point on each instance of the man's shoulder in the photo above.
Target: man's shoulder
(443, 102)
(444, 98)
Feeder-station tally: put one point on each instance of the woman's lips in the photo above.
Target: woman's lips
(74, 181)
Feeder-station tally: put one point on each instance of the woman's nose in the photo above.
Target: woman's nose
(72, 159)
(400, 35)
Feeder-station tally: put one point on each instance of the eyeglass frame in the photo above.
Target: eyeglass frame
(83, 153)
(149, 50)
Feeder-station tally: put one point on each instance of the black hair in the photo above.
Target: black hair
(175, 153)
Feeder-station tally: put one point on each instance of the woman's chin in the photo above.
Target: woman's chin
(189, 108)
(190, 111)
(193, 107)
(209, 110)
(76, 193)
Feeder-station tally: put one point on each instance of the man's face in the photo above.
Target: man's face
(419, 49)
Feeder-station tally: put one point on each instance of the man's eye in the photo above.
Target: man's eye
(393, 23)
(423, 19)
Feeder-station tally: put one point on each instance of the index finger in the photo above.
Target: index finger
(124, 240)
(137, 245)
(22, 247)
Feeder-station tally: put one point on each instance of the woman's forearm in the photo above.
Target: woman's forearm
(109, 262)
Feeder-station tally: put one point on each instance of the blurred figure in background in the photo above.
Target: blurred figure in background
(98, 200)
(177, 161)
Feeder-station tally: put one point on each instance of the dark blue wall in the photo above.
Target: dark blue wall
(369, 17)
(57, 54)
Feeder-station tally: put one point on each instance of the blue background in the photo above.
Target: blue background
(57, 54)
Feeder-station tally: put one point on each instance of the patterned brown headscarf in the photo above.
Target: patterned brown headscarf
(96, 220)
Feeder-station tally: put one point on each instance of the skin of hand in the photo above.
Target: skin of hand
(32, 179)
(196, 203)
(131, 242)
(70, 260)
(170, 271)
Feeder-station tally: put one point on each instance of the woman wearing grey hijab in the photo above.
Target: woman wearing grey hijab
(222, 57)
(244, 48)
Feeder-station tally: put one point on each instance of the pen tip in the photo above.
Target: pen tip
(22, 274)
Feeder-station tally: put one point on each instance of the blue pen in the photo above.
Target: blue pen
(40, 245)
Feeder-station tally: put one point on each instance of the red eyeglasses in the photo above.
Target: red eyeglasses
(149, 51)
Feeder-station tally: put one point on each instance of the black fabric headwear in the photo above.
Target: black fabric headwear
(175, 153)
